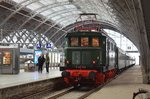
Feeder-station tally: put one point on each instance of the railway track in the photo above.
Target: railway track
(78, 93)
(62, 93)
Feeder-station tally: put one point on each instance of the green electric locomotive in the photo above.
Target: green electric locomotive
(90, 57)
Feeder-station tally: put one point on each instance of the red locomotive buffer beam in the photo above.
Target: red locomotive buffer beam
(77, 76)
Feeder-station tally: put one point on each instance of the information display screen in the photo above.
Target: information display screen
(6, 57)
(37, 53)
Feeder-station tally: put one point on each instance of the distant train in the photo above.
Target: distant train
(92, 57)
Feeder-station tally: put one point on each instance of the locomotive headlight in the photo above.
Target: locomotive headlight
(93, 62)
(67, 61)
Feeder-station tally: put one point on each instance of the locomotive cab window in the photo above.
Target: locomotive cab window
(74, 41)
(66, 42)
(84, 41)
(95, 41)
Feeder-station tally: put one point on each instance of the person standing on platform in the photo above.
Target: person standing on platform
(41, 61)
(47, 63)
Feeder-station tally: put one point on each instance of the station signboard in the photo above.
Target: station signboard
(38, 46)
(48, 45)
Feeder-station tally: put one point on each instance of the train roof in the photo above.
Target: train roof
(84, 32)
(92, 33)
(88, 14)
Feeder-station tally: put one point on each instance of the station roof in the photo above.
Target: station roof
(54, 18)
(58, 16)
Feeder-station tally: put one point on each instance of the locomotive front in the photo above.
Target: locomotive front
(83, 58)
(88, 55)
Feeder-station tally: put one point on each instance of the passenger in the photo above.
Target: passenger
(41, 61)
(47, 63)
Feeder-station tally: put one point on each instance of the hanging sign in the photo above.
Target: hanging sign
(38, 45)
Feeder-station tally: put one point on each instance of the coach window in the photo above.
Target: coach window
(74, 41)
(95, 42)
(84, 41)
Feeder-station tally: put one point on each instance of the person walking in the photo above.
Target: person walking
(47, 63)
(41, 61)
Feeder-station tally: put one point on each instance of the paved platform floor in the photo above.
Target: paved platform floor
(27, 77)
(123, 86)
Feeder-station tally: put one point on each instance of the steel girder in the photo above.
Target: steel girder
(84, 5)
(26, 16)
(42, 9)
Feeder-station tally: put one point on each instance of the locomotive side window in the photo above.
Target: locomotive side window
(74, 41)
(66, 42)
(95, 41)
(84, 41)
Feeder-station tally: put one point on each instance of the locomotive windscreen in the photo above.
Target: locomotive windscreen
(84, 42)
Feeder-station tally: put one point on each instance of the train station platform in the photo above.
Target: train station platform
(23, 77)
(123, 86)
(25, 84)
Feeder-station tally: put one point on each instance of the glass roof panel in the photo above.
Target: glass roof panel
(65, 14)
(69, 6)
(101, 7)
(47, 12)
(19, 1)
(58, 8)
(68, 22)
(34, 6)
(26, 3)
(70, 14)
(61, 0)
(76, 12)
(56, 18)
(47, 1)
(50, 12)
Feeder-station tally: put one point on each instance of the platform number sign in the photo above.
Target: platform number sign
(48, 45)
(38, 45)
